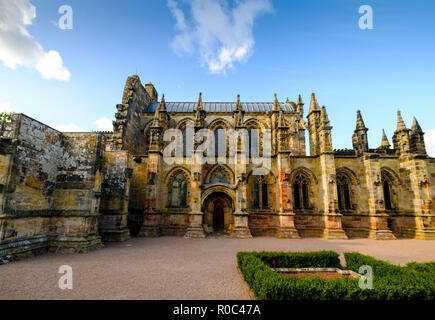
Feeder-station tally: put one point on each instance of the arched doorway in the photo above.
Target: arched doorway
(218, 210)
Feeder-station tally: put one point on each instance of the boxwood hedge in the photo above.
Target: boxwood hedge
(389, 281)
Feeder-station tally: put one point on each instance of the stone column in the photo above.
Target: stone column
(423, 224)
(332, 219)
(195, 229)
(152, 214)
(286, 227)
(378, 219)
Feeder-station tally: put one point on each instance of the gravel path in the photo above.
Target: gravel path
(174, 267)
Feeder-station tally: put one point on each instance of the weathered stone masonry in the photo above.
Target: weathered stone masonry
(69, 192)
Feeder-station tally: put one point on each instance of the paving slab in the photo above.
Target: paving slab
(174, 267)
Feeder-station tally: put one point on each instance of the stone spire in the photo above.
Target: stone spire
(276, 106)
(385, 145)
(300, 106)
(162, 105)
(359, 138)
(238, 104)
(199, 106)
(417, 144)
(325, 128)
(359, 121)
(314, 106)
(200, 113)
(324, 117)
(400, 123)
(401, 140)
(415, 126)
(239, 114)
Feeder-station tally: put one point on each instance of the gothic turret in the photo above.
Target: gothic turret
(359, 138)
(313, 126)
(401, 136)
(417, 144)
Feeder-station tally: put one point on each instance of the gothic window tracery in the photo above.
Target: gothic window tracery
(178, 192)
(300, 192)
(220, 175)
(260, 190)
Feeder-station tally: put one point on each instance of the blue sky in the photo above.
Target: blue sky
(288, 47)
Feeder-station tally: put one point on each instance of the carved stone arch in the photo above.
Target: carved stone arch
(218, 189)
(272, 178)
(219, 122)
(176, 171)
(256, 191)
(222, 168)
(254, 123)
(182, 185)
(306, 172)
(353, 178)
(183, 123)
(391, 175)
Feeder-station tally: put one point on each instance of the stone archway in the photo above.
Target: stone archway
(218, 213)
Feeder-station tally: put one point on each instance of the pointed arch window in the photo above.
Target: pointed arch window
(219, 142)
(179, 192)
(387, 188)
(300, 192)
(343, 191)
(261, 195)
(253, 142)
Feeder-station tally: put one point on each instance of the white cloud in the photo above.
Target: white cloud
(6, 107)
(104, 124)
(19, 48)
(72, 127)
(429, 139)
(220, 34)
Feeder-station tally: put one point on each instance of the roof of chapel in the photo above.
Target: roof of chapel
(220, 106)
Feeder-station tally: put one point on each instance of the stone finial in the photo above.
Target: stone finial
(162, 106)
(287, 101)
(238, 104)
(359, 121)
(324, 116)
(384, 144)
(415, 126)
(199, 105)
(276, 106)
(314, 106)
(300, 100)
(400, 123)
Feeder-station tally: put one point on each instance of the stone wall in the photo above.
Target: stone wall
(49, 189)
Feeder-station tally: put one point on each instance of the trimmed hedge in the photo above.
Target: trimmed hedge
(389, 281)
(428, 267)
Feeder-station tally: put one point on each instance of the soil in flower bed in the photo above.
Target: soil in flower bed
(324, 275)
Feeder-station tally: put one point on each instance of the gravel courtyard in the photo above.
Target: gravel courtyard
(174, 267)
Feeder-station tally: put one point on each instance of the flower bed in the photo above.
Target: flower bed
(390, 282)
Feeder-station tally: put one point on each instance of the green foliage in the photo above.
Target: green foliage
(390, 282)
(321, 259)
(428, 267)
(4, 117)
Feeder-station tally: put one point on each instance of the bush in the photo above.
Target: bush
(390, 282)
(427, 267)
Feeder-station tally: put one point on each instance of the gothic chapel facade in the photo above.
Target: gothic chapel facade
(71, 191)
